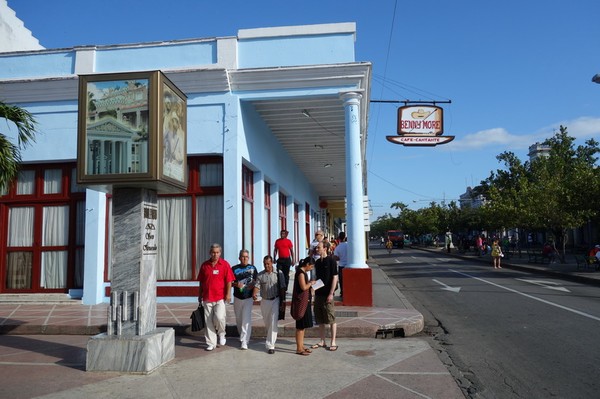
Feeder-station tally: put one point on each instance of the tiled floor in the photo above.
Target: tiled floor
(88, 320)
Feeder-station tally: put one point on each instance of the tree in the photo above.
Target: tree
(555, 193)
(10, 154)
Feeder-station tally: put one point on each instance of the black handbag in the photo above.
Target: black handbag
(198, 322)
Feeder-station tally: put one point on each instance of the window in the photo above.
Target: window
(267, 218)
(282, 212)
(45, 230)
(247, 209)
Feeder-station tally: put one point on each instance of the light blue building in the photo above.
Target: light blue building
(276, 138)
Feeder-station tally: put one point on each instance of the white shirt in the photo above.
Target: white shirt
(341, 251)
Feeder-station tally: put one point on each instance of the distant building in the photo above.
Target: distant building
(471, 200)
(538, 150)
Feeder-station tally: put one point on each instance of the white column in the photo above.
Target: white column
(357, 254)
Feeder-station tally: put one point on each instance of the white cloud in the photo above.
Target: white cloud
(492, 138)
(581, 128)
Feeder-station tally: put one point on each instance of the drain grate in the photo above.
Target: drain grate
(346, 314)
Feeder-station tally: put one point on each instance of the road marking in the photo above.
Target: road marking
(546, 284)
(531, 296)
(447, 287)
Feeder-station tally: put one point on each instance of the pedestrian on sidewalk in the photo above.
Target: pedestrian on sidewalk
(326, 271)
(283, 254)
(215, 279)
(303, 283)
(268, 284)
(340, 254)
(245, 278)
(496, 254)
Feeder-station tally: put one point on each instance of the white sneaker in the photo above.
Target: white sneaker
(209, 348)
(244, 346)
(222, 340)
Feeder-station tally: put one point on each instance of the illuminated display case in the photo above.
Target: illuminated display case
(132, 132)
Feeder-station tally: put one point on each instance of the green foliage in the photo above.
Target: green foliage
(552, 193)
(10, 154)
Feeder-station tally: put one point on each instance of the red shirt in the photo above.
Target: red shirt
(214, 279)
(284, 247)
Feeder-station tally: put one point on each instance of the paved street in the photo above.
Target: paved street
(509, 333)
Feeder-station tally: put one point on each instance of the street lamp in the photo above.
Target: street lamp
(596, 78)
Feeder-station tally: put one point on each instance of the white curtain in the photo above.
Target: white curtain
(266, 221)
(174, 232)
(211, 175)
(52, 181)
(20, 227)
(79, 242)
(25, 182)
(209, 225)
(54, 269)
(109, 244)
(247, 215)
(55, 232)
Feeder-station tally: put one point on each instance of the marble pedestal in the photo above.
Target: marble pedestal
(131, 353)
(132, 342)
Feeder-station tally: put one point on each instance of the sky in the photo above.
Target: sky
(512, 71)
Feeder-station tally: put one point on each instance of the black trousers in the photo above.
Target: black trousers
(284, 265)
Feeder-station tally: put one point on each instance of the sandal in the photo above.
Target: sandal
(307, 350)
(319, 345)
(333, 348)
(303, 353)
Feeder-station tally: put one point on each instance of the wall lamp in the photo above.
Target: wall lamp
(327, 165)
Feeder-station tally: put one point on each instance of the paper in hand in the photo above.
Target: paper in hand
(318, 284)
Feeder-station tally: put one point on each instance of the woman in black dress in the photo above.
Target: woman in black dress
(303, 283)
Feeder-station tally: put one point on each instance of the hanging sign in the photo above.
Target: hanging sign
(420, 125)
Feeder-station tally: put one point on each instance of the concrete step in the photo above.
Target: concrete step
(39, 299)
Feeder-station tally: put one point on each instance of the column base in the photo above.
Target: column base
(131, 354)
(358, 287)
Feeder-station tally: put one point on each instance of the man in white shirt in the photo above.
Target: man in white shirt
(341, 255)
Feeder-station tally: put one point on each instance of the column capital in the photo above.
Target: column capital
(351, 96)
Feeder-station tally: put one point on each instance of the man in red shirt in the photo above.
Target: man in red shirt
(284, 255)
(215, 279)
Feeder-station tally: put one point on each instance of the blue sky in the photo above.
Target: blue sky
(514, 70)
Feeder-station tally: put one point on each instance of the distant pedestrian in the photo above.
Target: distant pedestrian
(283, 254)
(340, 254)
(496, 254)
(448, 241)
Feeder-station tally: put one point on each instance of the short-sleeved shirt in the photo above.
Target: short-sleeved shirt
(341, 251)
(325, 269)
(284, 247)
(247, 276)
(268, 283)
(214, 280)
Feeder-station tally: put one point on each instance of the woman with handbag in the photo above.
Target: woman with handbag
(301, 309)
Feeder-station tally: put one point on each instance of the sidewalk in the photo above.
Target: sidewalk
(392, 314)
(365, 365)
